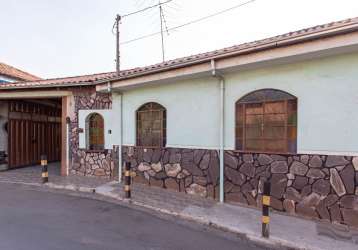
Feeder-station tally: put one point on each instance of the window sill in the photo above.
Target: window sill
(149, 147)
(145, 148)
(95, 150)
(263, 152)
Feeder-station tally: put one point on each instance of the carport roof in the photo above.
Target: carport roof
(59, 82)
(300, 36)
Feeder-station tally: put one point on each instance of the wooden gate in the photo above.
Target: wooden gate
(33, 129)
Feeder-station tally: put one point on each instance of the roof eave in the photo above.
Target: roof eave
(265, 46)
(48, 86)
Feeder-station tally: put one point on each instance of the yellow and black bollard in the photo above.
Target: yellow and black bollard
(265, 209)
(127, 180)
(44, 169)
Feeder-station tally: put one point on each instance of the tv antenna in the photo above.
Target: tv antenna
(163, 26)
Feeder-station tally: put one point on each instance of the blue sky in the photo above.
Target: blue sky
(73, 37)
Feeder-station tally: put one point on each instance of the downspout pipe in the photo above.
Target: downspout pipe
(120, 163)
(120, 95)
(221, 79)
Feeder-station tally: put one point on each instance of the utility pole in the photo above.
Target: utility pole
(118, 55)
(161, 28)
(162, 24)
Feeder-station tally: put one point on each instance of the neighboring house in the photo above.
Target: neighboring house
(219, 124)
(11, 74)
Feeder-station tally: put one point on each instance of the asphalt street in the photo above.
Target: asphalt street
(36, 219)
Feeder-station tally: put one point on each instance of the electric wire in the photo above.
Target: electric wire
(144, 9)
(189, 23)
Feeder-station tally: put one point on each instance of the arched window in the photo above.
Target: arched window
(266, 121)
(151, 125)
(95, 131)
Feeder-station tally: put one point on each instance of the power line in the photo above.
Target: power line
(116, 30)
(189, 23)
(147, 8)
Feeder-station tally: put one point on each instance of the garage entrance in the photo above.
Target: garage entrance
(34, 128)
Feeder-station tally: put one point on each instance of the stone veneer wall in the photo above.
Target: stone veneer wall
(184, 170)
(315, 186)
(87, 162)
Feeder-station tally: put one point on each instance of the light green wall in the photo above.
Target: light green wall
(192, 112)
(327, 92)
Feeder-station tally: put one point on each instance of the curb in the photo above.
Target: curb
(272, 242)
(70, 187)
(22, 183)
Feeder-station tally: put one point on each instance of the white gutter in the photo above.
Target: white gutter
(265, 44)
(222, 124)
(121, 140)
(109, 90)
(48, 85)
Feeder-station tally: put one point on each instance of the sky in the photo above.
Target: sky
(57, 38)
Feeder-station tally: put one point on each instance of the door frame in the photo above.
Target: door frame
(65, 103)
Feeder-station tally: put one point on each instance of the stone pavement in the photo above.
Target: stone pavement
(286, 232)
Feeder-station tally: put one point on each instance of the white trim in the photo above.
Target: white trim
(176, 146)
(250, 58)
(35, 94)
(316, 152)
(109, 124)
(301, 152)
(191, 147)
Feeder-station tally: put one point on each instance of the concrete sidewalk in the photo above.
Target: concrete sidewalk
(286, 232)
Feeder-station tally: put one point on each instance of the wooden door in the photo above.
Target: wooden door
(33, 129)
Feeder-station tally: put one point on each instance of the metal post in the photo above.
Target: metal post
(127, 180)
(265, 209)
(44, 169)
(68, 142)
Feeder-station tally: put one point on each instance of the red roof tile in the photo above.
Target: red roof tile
(15, 73)
(311, 33)
(316, 32)
(59, 82)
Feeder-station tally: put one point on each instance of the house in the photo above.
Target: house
(12, 74)
(42, 115)
(8, 74)
(219, 124)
